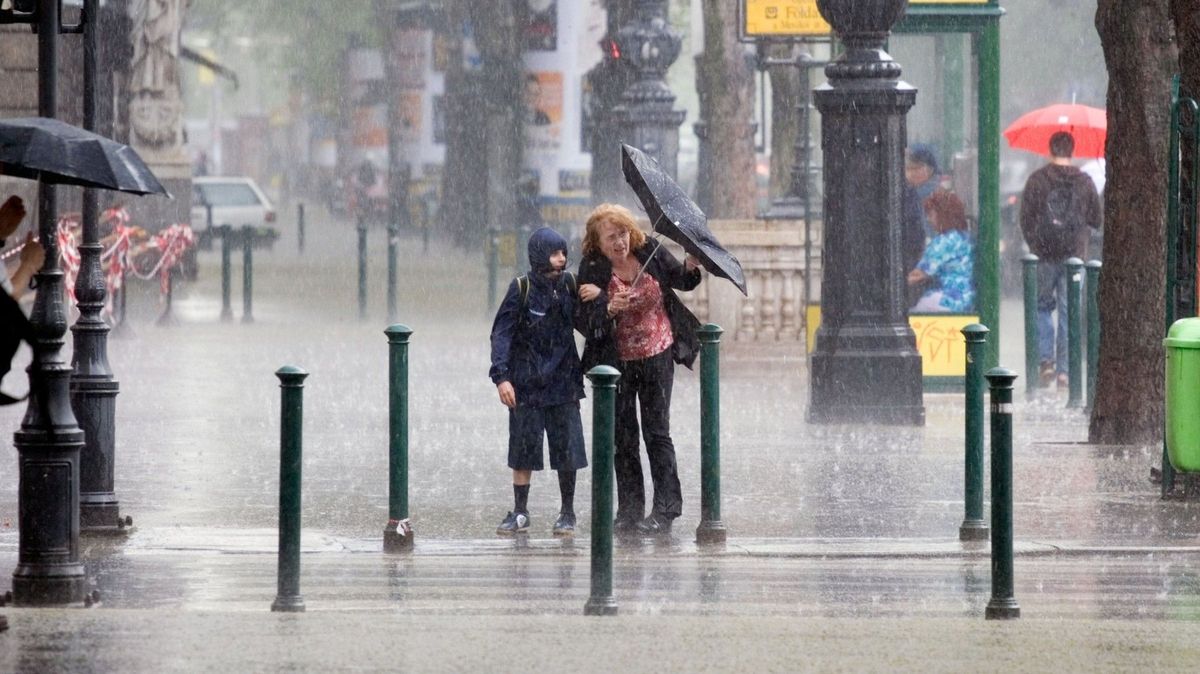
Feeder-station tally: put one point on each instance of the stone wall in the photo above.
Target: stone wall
(772, 253)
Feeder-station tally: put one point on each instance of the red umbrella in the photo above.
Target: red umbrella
(1088, 125)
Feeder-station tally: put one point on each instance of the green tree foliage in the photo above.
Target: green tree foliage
(302, 38)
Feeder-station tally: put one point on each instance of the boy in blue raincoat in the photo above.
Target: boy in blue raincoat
(535, 366)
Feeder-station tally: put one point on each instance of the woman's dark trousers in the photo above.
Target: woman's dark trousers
(646, 384)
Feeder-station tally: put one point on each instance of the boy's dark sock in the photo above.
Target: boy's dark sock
(520, 498)
(566, 487)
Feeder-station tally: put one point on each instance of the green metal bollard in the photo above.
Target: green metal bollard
(711, 530)
(247, 274)
(291, 430)
(226, 273)
(1002, 605)
(300, 226)
(604, 397)
(493, 267)
(973, 527)
(1093, 330)
(393, 244)
(398, 534)
(1074, 332)
(362, 268)
(1029, 265)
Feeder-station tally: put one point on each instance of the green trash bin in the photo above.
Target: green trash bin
(1183, 394)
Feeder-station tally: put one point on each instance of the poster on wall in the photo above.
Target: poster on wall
(410, 59)
(543, 99)
(574, 182)
(442, 51)
(409, 112)
(541, 32)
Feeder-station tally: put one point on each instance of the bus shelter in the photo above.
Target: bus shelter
(950, 51)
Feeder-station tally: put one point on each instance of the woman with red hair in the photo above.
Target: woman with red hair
(948, 262)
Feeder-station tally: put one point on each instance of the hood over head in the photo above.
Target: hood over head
(542, 244)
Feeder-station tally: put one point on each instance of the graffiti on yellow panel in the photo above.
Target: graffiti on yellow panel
(939, 340)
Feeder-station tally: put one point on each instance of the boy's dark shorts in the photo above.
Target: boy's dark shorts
(560, 424)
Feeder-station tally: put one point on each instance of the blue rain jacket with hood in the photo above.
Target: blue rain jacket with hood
(533, 346)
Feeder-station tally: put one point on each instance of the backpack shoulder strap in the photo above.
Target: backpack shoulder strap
(523, 290)
(573, 284)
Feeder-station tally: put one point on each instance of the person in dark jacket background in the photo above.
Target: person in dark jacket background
(1060, 202)
(535, 366)
(638, 325)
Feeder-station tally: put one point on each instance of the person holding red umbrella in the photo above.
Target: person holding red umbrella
(1059, 204)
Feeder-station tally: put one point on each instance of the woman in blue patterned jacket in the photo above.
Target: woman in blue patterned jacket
(948, 263)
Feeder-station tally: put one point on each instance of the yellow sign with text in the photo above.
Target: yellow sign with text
(782, 18)
(939, 341)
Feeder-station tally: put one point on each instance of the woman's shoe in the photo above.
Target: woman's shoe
(564, 526)
(654, 526)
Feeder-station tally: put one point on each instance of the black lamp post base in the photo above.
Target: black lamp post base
(103, 518)
(49, 585)
(99, 509)
(894, 396)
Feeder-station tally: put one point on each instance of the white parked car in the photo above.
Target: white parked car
(235, 200)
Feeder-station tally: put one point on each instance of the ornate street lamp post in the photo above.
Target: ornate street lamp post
(647, 117)
(48, 570)
(865, 367)
(93, 387)
(605, 84)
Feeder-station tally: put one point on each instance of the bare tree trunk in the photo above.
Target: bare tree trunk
(726, 84)
(1141, 58)
(785, 119)
(1187, 35)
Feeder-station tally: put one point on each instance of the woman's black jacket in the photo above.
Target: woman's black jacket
(599, 330)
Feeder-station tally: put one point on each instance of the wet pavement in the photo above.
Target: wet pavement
(832, 529)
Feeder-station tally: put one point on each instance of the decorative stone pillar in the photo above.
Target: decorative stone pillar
(155, 110)
(865, 368)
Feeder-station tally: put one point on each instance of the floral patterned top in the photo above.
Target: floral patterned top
(949, 258)
(643, 329)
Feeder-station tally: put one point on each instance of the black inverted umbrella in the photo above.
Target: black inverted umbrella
(56, 152)
(678, 217)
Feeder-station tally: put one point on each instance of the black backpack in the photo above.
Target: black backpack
(1060, 222)
(523, 288)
